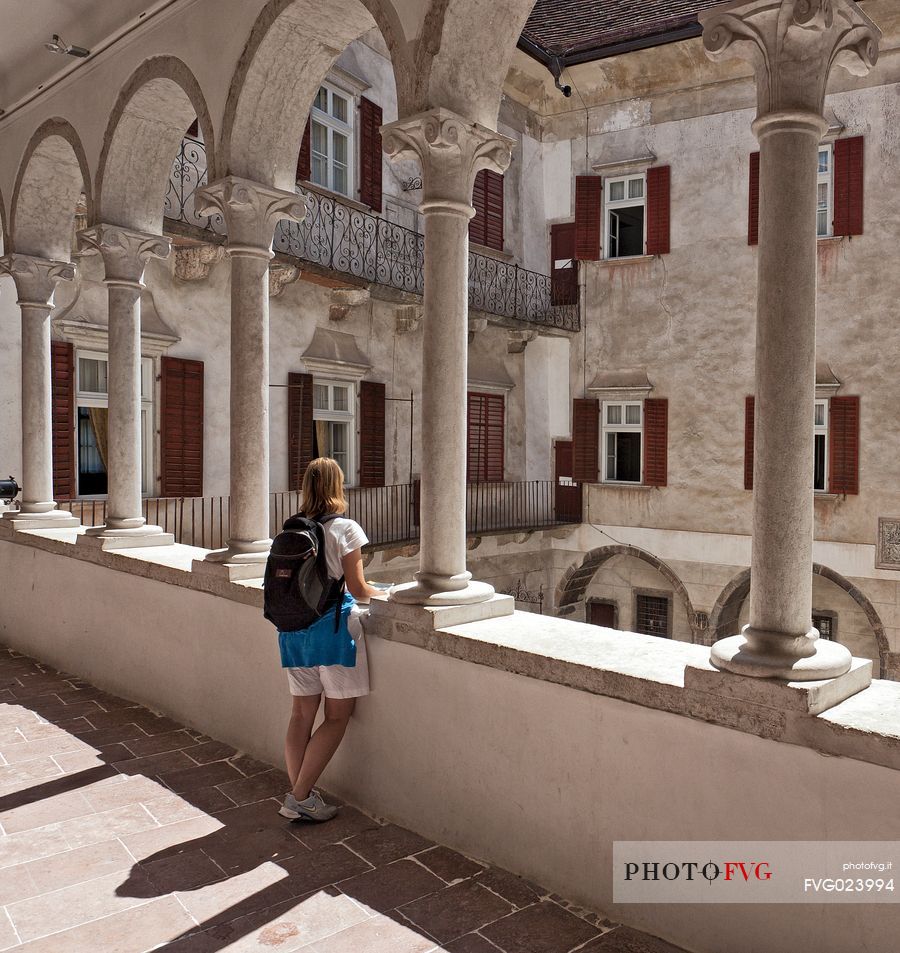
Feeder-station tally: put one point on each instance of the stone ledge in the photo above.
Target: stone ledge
(674, 677)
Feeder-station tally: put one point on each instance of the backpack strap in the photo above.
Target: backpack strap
(342, 584)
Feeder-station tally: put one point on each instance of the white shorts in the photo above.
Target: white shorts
(336, 681)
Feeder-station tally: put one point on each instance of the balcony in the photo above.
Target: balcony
(522, 743)
(389, 513)
(370, 249)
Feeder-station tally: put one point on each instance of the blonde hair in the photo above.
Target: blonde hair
(322, 491)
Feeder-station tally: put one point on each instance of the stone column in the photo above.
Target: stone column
(125, 254)
(36, 280)
(451, 151)
(792, 45)
(251, 211)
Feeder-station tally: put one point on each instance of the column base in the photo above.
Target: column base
(432, 590)
(110, 538)
(743, 655)
(228, 571)
(17, 521)
(415, 623)
(803, 697)
(241, 552)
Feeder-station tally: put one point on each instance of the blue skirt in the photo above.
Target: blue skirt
(320, 644)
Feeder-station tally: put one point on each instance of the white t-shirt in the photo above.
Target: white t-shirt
(342, 536)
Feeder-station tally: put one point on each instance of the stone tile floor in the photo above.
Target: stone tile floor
(122, 831)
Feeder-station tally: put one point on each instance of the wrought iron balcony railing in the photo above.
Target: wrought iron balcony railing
(354, 242)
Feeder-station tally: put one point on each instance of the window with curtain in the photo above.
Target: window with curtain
(92, 423)
(334, 423)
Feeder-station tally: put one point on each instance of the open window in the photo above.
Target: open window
(626, 216)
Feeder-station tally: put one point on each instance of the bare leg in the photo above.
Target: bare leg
(303, 715)
(323, 744)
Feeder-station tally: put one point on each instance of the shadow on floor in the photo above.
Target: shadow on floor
(212, 837)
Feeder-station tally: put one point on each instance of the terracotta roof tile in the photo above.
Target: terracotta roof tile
(561, 26)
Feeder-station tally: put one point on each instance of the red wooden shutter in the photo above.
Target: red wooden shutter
(585, 440)
(371, 433)
(656, 441)
(843, 435)
(753, 216)
(493, 205)
(304, 160)
(486, 228)
(300, 427)
(477, 233)
(563, 270)
(749, 432)
(485, 439)
(62, 362)
(588, 194)
(370, 119)
(181, 464)
(658, 204)
(848, 186)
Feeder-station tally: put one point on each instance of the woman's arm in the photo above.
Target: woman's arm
(353, 576)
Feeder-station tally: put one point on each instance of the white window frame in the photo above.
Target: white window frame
(340, 416)
(610, 209)
(85, 398)
(821, 430)
(827, 179)
(607, 428)
(333, 125)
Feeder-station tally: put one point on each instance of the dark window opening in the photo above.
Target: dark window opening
(819, 463)
(92, 437)
(623, 457)
(626, 232)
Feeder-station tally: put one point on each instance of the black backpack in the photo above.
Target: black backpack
(297, 589)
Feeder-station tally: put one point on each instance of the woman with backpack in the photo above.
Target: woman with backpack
(331, 652)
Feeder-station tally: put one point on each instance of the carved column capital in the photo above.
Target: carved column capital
(35, 278)
(792, 45)
(450, 151)
(251, 211)
(125, 252)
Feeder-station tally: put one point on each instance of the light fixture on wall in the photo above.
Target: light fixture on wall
(556, 65)
(59, 45)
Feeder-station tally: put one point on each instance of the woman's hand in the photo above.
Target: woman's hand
(353, 576)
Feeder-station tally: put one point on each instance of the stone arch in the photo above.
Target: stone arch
(723, 619)
(152, 113)
(52, 177)
(574, 584)
(292, 46)
(465, 52)
(4, 235)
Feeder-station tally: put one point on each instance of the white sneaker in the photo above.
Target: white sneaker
(312, 809)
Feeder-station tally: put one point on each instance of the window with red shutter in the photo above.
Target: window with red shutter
(62, 360)
(656, 441)
(485, 438)
(843, 433)
(848, 186)
(304, 160)
(370, 163)
(753, 211)
(588, 194)
(181, 461)
(585, 440)
(749, 431)
(658, 209)
(300, 427)
(486, 228)
(371, 433)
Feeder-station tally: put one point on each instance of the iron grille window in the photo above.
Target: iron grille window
(652, 615)
(825, 625)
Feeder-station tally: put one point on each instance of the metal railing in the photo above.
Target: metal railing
(388, 514)
(355, 242)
